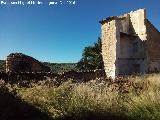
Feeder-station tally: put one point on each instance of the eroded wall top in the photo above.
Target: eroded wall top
(18, 62)
(132, 23)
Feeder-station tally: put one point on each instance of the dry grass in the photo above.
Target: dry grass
(135, 98)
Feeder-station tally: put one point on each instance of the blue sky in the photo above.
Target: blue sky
(58, 33)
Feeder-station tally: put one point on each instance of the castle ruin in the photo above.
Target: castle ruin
(130, 44)
(18, 62)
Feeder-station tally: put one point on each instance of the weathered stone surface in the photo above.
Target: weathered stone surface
(74, 75)
(130, 44)
(18, 62)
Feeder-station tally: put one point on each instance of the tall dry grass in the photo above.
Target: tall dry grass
(135, 98)
(145, 105)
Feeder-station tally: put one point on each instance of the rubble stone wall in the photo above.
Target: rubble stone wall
(109, 40)
(18, 62)
(129, 44)
(39, 76)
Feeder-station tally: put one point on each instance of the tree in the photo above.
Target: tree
(91, 57)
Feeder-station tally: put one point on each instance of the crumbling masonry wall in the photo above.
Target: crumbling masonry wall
(129, 44)
(109, 40)
(153, 47)
(18, 62)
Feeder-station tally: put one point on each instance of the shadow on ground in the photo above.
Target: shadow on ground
(13, 108)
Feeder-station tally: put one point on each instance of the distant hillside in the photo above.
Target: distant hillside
(55, 67)
(61, 67)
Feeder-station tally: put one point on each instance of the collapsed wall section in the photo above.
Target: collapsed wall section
(18, 62)
(133, 56)
(137, 23)
(123, 44)
(153, 47)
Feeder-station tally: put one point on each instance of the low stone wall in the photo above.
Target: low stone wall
(77, 76)
(83, 76)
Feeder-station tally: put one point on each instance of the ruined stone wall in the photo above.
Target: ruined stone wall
(124, 23)
(133, 23)
(136, 35)
(131, 55)
(109, 43)
(137, 23)
(18, 62)
(126, 52)
(117, 50)
(153, 47)
(138, 27)
(59, 78)
(126, 46)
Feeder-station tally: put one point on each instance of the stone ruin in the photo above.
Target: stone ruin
(20, 67)
(130, 44)
(40, 76)
(18, 62)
